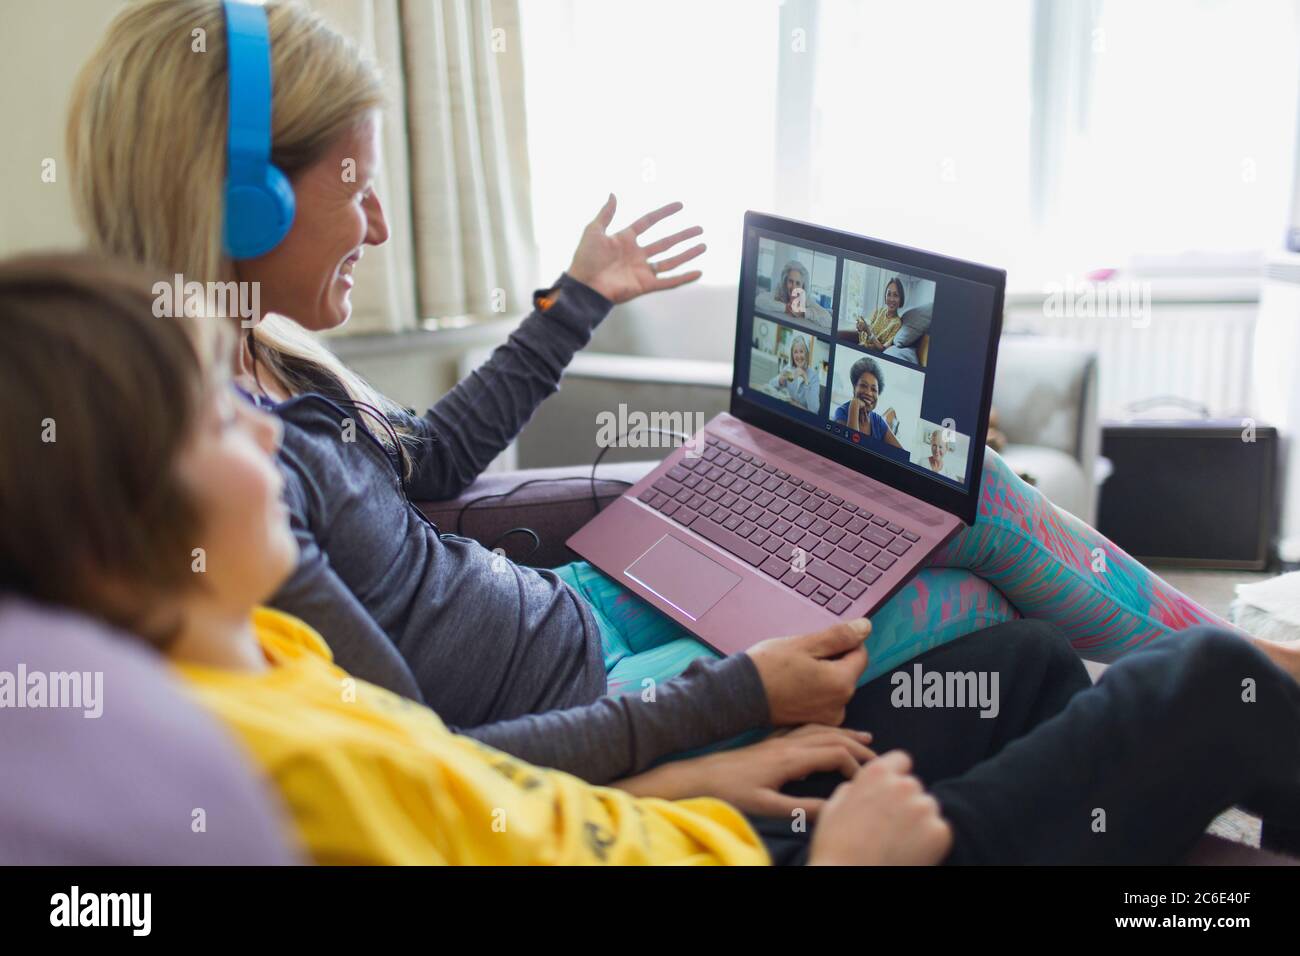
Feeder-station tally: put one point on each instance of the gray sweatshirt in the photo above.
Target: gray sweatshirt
(507, 654)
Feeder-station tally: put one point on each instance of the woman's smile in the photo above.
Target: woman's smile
(344, 271)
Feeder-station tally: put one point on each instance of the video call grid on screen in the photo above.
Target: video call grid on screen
(812, 313)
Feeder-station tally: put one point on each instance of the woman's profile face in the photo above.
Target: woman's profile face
(308, 277)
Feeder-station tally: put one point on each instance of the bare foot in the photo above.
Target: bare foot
(1285, 656)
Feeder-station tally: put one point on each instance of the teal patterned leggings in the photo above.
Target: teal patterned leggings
(1023, 557)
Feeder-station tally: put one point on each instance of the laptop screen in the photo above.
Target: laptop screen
(885, 350)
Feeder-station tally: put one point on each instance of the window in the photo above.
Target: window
(1049, 137)
(654, 102)
(1181, 148)
(921, 120)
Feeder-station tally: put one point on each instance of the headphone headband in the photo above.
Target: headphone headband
(259, 200)
(249, 61)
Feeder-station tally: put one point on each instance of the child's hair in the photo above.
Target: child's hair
(98, 397)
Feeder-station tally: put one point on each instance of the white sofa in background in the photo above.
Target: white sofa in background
(1046, 396)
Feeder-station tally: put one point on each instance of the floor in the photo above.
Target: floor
(1213, 590)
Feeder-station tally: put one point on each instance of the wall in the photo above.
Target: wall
(41, 49)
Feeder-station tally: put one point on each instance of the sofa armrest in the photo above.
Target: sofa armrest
(1047, 398)
(553, 502)
(118, 789)
(1046, 394)
(564, 429)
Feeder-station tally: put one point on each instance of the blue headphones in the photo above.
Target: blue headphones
(259, 199)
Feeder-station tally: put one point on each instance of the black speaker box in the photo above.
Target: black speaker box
(1191, 493)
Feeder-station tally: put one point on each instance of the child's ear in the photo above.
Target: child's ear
(132, 606)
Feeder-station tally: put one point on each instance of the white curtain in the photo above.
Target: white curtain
(470, 183)
(455, 178)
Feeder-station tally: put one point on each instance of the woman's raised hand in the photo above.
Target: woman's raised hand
(619, 268)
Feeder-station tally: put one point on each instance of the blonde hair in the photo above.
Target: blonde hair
(794, 265)
(797, 339)
(147, 148)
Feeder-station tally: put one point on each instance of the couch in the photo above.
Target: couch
(555, 502)
(124, 788)
(151, 780)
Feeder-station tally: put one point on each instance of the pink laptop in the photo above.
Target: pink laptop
(852, 450)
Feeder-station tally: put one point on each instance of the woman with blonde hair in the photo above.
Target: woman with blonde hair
(521, 656)
(939, 446)
(791, 298)
(800, 381)
(532, 661)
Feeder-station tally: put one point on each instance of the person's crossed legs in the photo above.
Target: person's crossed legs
(1023, 557)
(1130, 771)
(1028, 672)
(1134, 769)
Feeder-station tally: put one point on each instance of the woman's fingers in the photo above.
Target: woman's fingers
(895, 761)
(804, 729)
(860, 751)
(606, 214)
(770, 803)
(809, 733)
(667, 265)
(672, 282)
(854, 662)
(821, 758)
(650, 218)
(663, 245)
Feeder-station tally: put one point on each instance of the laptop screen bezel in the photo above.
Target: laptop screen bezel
(963, 504)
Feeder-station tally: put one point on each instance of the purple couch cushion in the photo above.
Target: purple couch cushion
(555, 503)
(128, 786)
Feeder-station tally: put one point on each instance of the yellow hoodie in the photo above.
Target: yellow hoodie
(373, 778)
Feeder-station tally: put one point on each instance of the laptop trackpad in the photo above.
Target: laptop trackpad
(682, 576)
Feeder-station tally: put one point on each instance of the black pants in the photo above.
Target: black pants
(1129, 771)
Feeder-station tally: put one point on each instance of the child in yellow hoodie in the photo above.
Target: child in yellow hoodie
(164, 517)
(138, 486)
(370, 777)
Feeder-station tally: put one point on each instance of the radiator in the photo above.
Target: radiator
(1198, 352)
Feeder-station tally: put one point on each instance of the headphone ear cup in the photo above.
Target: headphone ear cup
(258, 214)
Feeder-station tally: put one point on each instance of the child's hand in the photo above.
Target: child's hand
(882, 817)
(751, 778)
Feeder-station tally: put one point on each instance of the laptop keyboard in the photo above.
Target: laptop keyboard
(762, 514)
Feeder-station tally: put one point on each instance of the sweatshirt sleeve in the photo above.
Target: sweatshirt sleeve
(618, 737)
(314, 593)
(476, 420)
